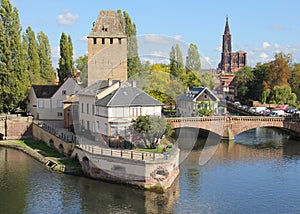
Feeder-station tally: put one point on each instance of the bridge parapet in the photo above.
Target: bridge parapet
(229, 126)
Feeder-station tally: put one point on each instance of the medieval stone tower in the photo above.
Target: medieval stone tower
(107, 49)
(230, 62)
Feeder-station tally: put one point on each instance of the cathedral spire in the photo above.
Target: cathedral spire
(227, 30)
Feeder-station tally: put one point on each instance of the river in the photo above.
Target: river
(259, 173)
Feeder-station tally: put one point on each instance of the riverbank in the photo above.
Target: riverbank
(48, 156)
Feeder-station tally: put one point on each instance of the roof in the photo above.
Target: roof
(128, 96)
(97, 87)
(196, 92)
(107, 25)
(45, 91)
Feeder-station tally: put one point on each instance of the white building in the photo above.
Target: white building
(45, 102)
(107, 107)
(191, 101)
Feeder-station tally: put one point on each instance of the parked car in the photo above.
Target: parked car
(291, 110)
(277, 113)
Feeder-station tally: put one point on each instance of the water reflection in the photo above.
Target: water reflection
(256, 174)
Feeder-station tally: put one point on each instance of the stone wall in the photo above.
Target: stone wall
(14, 127)
(158, 174)
(52, 140)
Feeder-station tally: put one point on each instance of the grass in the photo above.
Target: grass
(157, 150)
(43, 147)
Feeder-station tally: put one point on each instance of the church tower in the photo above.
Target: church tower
(107, 49)
(226, 50)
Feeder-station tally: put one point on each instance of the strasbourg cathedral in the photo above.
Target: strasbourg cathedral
(230, 63)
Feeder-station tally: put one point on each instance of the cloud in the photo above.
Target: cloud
(158, 39)
(278, 27)
(67, 18)
(83, 39)
(263, 55)
(266, 45)
(276, 45)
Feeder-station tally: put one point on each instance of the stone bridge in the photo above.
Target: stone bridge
(229, 126)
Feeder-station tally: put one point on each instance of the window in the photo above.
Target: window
(120, 41)
(103, 41)
(87, 108)
(95, 41)
(41, 104)
(93, 109)
(59, 114)
(97, 126)
(63, 92)
(59, 103)
(111, 41)
(88, 125)
(135, 112)
(82, 108)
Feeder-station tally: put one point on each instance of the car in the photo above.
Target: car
(291, 110)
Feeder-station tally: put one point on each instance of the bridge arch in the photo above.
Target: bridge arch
(230, 126)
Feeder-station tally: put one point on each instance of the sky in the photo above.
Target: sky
(260, 28)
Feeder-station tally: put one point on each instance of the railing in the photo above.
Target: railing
(68, 137)
(128, 154)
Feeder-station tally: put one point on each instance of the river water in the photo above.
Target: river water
(259, 173)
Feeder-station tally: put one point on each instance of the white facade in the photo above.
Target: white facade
(50, 107)
(112, 120)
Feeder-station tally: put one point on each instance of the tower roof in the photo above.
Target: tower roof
(107, 25)
(227, 30)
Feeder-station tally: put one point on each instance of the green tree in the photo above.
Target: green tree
(151, 129)
(65, 61)
(295, 80)
(82, 65)
(44, 50)
(243, 79)
(193, 59)
(176, 62)
(283, 95)
(14, 82)
(133, 61)
(33, 60)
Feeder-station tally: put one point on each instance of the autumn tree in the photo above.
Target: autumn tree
(278, 73)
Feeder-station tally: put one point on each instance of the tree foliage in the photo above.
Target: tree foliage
(14, 82)
(32, 60)
(133, 61)
(82, 66)
(46, 69)
(151, 129)
(176, 62)
(65, 62)
(193, 59)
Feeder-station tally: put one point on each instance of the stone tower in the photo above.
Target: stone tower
(107, 49)
(230, 62)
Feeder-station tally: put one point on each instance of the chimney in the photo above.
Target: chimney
(109, 82)
(133, 83)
